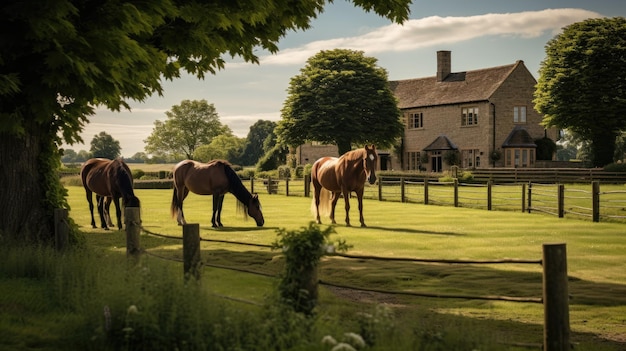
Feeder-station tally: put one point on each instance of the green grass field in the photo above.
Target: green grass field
(595, 251)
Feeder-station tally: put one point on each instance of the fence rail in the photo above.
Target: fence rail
(554, 298)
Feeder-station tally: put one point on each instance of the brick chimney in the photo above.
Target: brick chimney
(444, 64)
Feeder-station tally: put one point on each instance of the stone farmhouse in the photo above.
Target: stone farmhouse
(480, 119)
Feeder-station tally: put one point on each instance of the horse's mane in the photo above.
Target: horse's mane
(354, 155)
(236, 186)
(125, 183)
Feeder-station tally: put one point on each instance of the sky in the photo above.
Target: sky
(479, 34)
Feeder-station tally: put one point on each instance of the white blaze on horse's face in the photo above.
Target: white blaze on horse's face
(371, 162)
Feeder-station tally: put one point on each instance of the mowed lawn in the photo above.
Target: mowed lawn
(596, 258)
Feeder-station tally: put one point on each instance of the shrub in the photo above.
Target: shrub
(615, 167)
(284, 172)
(137, 173)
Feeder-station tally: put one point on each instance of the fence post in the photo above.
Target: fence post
(132, 219)
(61, 228)
(530, 196)
(595, 199)
(286, 186)
(456, 192)
(560, 191)
(252, 184)
(425, 191)
(380, 189)
(307, 185)
(556, 329)
(489, 196)
(523, 197)
(191, 250)
(402, 197)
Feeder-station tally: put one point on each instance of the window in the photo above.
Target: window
(519, 114)
(416, 120)
(413, 161)
(470, 158)
(469, 116)
(522, 157)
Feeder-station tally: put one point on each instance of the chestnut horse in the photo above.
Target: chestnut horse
(341, 176)
(214, 178)
(110, 180)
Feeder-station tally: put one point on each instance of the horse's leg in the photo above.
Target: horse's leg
(90, 201)
(218, 201)
(333, 204)
(182, 194)
(107, 212)
(100, 203)
(346, 198)
(359, 195)
(118, 212)
(318, 191)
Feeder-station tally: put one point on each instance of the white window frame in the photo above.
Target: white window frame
(519, 114)
(469, 116)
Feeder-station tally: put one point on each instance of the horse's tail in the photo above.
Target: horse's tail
(175, 206)
(324, 207)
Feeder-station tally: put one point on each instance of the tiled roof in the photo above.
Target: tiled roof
(470, 86)
(441, 143)
(519, 137)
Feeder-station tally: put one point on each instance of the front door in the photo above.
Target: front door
(436, 162)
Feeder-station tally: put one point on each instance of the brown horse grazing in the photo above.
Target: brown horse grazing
(110, 180)
(342, 175)
(214, 178)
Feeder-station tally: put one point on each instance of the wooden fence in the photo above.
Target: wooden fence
(588, 200)
(555, 295)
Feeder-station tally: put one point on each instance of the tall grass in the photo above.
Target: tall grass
(96, 300)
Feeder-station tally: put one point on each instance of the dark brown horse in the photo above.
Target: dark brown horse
(342, 175)
(110, 180)
(214, 178)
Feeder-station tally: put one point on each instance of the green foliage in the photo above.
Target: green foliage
(254, 148)
(137, 173)
(284, 172)
(303, 250)
(340, 97)
(103, 145)
(546, 147)
(272, 159)
(581, 83)
(188, 125)
(615, 167)
(222, 147)
(452, 157)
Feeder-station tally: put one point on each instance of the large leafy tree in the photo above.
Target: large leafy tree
(224, 147)
(103, 145)
(340, 97)
(60, 60)
(582, 83)
(253, 149)
(188, 125)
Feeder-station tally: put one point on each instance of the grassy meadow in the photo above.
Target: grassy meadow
(595, 252)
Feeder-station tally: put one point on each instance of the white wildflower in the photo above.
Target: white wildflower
(132, 309)
(354, 339)
(330, 249)
(329, 340)
(342, 346)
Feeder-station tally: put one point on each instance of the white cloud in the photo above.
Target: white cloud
(435, 30)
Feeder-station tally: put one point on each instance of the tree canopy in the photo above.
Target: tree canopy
(582, 83)
(62, 59)
(340, 97)
(254, 148)
(188, 126)
(103, 145)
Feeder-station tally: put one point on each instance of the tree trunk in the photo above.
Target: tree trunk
(26, 215)
(344, 146)
(602, 149)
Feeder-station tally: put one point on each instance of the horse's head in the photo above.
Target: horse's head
(370, 163)
(254, 210)
(131, 201)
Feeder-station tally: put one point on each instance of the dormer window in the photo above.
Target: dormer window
(469, 116)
